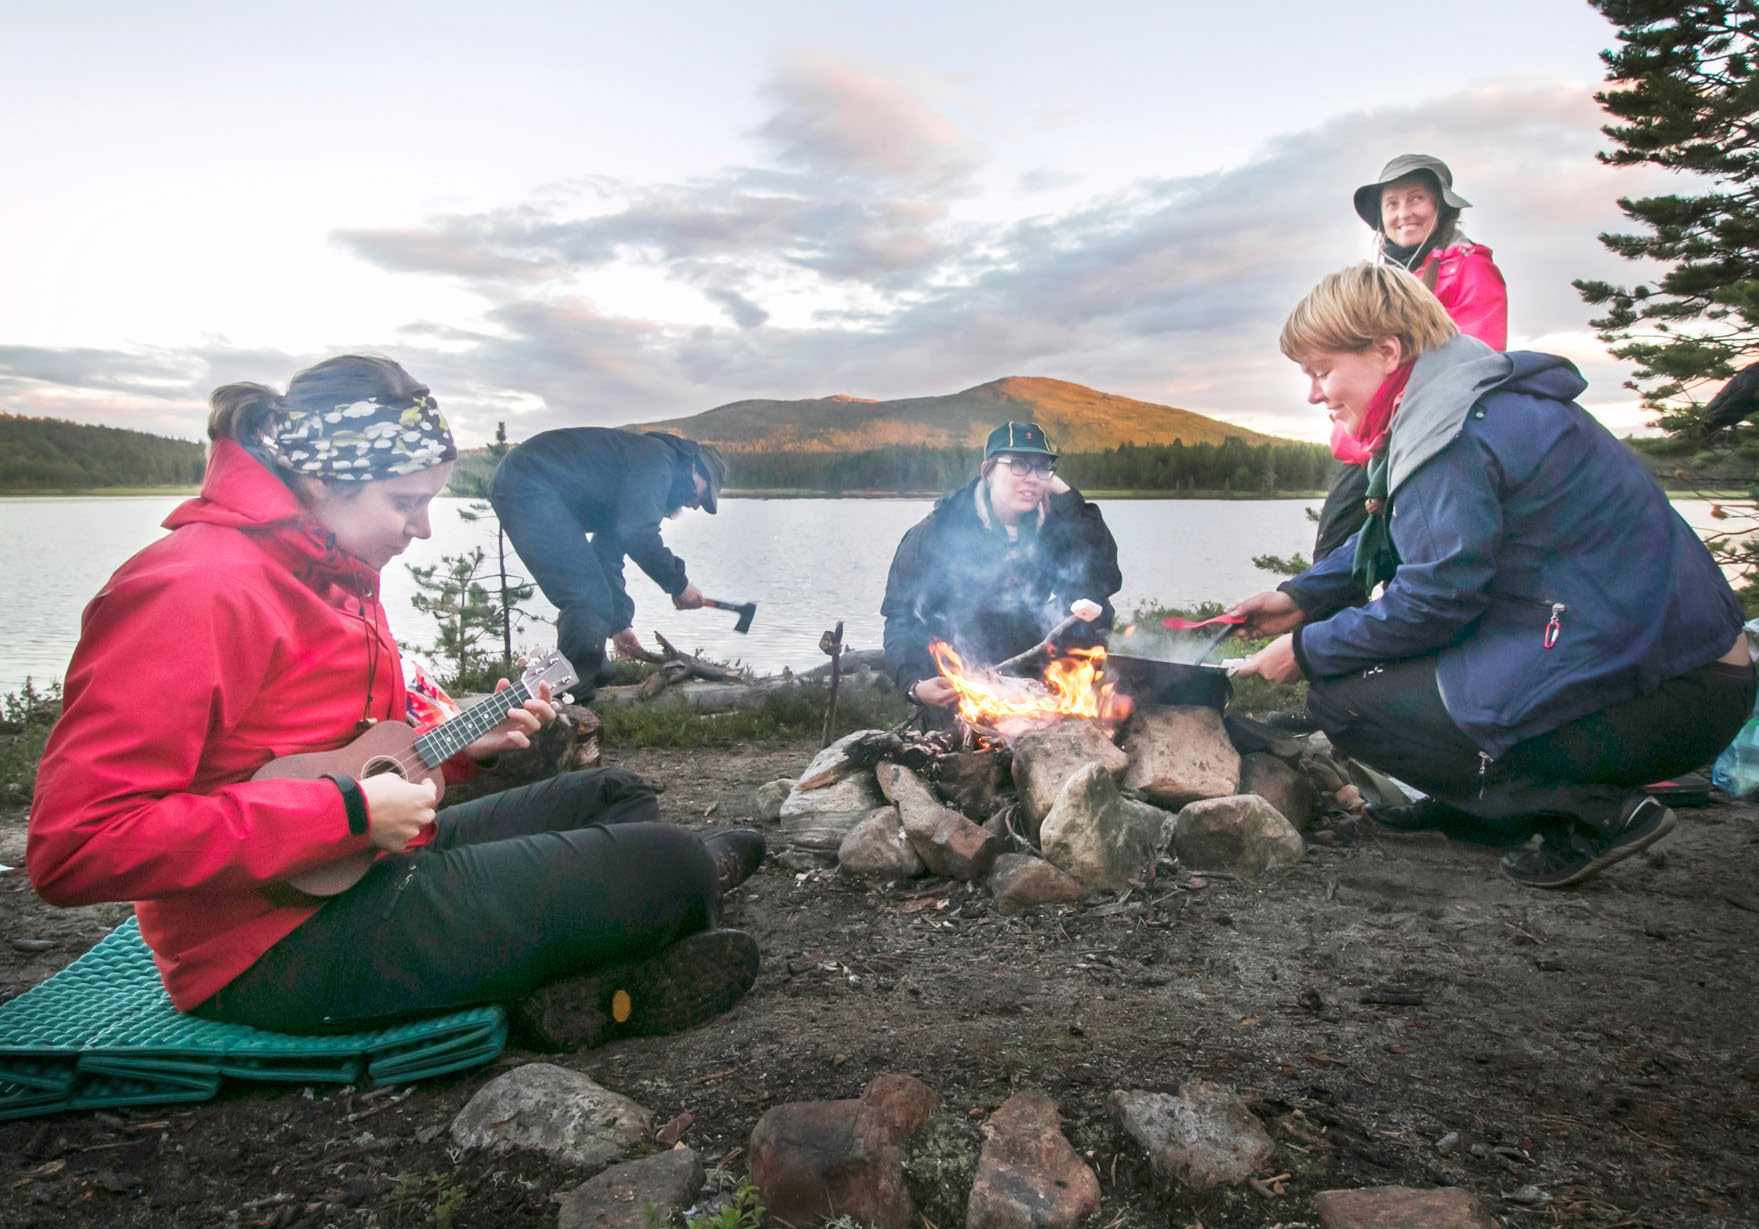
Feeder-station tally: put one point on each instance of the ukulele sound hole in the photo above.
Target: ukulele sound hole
(379, 766)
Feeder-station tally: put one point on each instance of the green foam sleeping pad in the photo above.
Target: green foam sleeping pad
(102, 1032)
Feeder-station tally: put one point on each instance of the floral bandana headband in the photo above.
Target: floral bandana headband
(363, 440)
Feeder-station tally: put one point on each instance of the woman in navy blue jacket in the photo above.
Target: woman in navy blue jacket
(1550, 634)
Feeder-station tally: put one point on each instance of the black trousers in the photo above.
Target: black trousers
(1391, 717)
(1342, 513)
(581, 577)
(563, 876)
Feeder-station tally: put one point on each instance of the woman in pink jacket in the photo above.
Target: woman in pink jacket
(254, 631)
(1415, 214)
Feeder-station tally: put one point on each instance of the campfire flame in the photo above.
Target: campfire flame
(1074, 685)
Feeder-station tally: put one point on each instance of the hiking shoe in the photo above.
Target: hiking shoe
(737, 852)
(1566, 860)
(694, 980)
(1434, 815)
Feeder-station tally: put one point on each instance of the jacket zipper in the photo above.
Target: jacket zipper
(1554, 628)
(1484, 763)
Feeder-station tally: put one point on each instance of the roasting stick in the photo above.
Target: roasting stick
(1083, 610)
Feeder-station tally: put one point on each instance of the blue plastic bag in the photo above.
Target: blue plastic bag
(1737, 769)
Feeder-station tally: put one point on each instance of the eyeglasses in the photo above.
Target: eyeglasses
(1024, 468)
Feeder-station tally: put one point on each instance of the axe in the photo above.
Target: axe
(746, 612)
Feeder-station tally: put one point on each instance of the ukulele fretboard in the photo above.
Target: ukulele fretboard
(450, 737)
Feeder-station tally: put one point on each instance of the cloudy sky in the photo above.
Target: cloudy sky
(579, 213)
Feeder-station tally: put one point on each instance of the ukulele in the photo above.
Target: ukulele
(392, 746)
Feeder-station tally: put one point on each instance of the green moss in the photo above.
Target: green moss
(940, 1166)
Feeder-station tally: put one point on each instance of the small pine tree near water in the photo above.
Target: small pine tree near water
(469, 617)
(26, 716)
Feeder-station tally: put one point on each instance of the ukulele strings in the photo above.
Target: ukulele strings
(407, 762)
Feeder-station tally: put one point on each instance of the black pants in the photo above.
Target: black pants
(1391, 717)
(581, 577)
(518, 888)
(1342, 513)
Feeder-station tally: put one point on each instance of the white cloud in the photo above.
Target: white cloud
(845, 265)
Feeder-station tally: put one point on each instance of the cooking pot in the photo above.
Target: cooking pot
(1149, 681)
(1151, 676)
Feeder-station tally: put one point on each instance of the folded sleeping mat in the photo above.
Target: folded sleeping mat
(102, 1032)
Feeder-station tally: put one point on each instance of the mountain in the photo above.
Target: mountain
(1077, 419)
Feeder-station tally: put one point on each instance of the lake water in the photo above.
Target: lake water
(806, 563)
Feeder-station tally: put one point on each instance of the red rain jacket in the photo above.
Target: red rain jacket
(1471, 288)
(243, 635)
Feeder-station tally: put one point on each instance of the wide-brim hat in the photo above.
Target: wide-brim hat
(1018, 437)
(713, 468)
(1368, 195)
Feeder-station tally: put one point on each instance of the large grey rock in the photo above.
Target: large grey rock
(876, 848)
(818, 819)
(1178, 755)
(1244, 835)
(947, 842)
(560, 1113)
(1289, 791)
(1045, 759)
(1101, 839)
(644, 1194)
(848, 756)
(1028, 1175)
(1020, 881)
(1202, 1138)
(1402, 1207)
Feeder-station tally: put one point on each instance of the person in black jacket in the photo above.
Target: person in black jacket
(577, 501)
(996, 565)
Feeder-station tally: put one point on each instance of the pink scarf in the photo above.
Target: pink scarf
(1354, 448)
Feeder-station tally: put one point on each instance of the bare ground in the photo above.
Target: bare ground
(1581, 1058)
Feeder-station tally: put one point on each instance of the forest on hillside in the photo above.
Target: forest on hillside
(1232, 466)
(46, 454)
(40, 454)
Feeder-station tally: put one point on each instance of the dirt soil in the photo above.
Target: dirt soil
(1394, 1010)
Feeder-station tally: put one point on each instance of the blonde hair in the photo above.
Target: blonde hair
(1353, 308)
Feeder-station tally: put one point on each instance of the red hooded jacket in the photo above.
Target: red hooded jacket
(243, 635)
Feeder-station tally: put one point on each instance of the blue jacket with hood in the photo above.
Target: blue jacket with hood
(1513, 510)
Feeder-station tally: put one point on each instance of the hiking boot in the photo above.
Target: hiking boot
(737, 853)
(1434, 815)
(1565, 860)
(694, 980)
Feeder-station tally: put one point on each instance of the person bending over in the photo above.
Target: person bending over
(1548, 634)
(255, 630)
(577, 501)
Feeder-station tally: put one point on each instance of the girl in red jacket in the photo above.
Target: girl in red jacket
(254, 631)
(1415, 214)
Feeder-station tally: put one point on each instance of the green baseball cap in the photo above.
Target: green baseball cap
(1018, 437)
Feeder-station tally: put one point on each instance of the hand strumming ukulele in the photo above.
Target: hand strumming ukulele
(394, 747)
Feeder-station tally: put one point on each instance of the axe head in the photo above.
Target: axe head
(747, 612)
